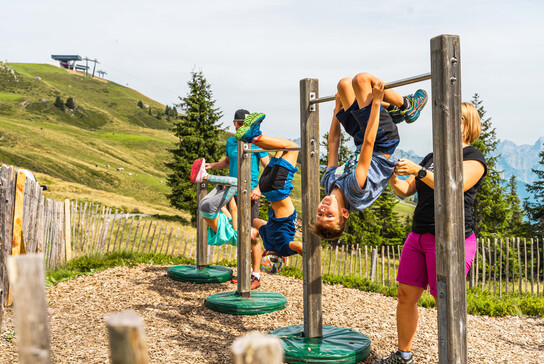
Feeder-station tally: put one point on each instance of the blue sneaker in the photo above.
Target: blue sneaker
(396, 115)
(251, 127)
(417, 103)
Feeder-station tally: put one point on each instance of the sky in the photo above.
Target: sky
(254, 53)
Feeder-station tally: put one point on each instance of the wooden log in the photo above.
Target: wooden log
(256, 348)
(243, 222)
(26, 274)
(500, 269)
(67, 230)
(127, 338)
(525, 254)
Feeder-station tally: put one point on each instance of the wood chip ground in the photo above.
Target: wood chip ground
(179, 329)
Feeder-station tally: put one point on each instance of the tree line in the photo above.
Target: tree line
(497, 211)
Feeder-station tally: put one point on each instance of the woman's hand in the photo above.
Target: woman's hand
(406, 167)
(377, 92)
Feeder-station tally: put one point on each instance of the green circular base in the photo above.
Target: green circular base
(338, 345)
(210, 274)
(260, 302)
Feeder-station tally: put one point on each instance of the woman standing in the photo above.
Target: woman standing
(417, 267)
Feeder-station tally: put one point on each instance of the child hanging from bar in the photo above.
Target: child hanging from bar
(368, 113)
(222, 224)
(276, 183)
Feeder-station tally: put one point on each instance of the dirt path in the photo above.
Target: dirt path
(180, 329)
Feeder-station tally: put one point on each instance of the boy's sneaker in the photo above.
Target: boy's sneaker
(198, 171)
(396, 115)
(255, 282)
(251, 127)
(417, 103)
(395, 358)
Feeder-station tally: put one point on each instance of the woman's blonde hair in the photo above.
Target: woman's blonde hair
(471, 118)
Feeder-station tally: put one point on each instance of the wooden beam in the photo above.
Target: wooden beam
(448, 204)
(67, 230)
(312, 283)
(244, 221)
(26, 275)
(127, 338)
(256, 348)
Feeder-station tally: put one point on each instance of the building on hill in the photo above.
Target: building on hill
(66, 61)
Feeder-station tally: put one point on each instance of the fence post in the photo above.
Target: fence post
(373, 262)
(26, 274)
(256, 348)
(67, 230)
(127, 338)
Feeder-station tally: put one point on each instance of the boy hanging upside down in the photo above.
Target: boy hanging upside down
(368, 113)
(278, 233)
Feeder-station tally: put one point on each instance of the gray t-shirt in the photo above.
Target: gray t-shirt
(356, 198)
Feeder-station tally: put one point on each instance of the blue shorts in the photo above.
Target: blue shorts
(355, 121)
(278, 233)
(276, 182)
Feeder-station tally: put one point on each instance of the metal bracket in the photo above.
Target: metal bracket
(312, 97)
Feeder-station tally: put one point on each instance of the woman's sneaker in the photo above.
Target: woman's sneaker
(198, 171)
(417, 103)
(251, 128)
(396, 358)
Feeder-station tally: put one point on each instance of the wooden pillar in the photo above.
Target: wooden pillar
(127, 338)
(26, 275)
(256, 348)
(448, 205)
(309, 134)
(201, 230)
(67, 230)
(244, 220)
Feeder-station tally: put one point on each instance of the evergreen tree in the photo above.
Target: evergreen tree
(390, 228)
(159, 115)
(198, 133)
(149, 110)
(515, 225)
(490, 211)
(59, 104)
(140, 104)
(70, 103)
(535, 210)
(167, 110)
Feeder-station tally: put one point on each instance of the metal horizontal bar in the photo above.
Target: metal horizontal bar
(405, 81)
(271, 150)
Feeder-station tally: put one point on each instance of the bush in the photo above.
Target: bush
(58, 103)
(70, 103)
(140, 104)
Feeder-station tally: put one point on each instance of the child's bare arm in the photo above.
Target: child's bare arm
(334, 137)
(234, 210)
(367, 148)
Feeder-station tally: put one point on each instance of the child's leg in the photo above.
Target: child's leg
(210, 205)
(268, 142)
(345, 90)
(362, 85)
(296, 246)
(221, 180)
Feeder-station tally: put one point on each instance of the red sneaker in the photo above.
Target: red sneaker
(198, 171)
(255, 282)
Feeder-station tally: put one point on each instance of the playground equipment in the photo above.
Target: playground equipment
(313, 342)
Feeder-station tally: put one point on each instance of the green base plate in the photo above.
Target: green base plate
(210, 274)
(338, 345)
(260, 302)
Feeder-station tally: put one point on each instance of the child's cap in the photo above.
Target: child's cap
(240, 115)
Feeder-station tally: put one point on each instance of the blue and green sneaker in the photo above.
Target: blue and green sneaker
(417, 103)
(251, 127)
(396, 115)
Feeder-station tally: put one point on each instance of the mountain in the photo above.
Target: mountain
(107, 149)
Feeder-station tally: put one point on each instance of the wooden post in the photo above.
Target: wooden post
(538, 267)
(40, 234)
(18, 246)
(153, 236)
(525, 254)
(507, 264)
(67, 230)
(483, 264)
(500, 271)
(330, 260)
(335, 259)
(491, 264)
(244, 220)
(129, 234)
(26, 274)
(366, 261)
(495, 266)
(312, 280)
(127, 338)
(519, 266)
(449, 206)
(201, 229)
(373, 263)
(256, 348)
(532, 269)
(383, 265)
(341, 260)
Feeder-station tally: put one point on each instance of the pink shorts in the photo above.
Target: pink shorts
(417, 265)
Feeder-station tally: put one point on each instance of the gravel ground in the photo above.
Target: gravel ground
(179, 329)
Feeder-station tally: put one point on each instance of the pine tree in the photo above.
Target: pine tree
(59, 104)
(140, 104)
(198, 133)
(70, 103)
(535, 210)
(490, 211)
(390, 228)
(515, 225)
(167, 110)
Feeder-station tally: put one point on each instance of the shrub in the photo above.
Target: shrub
(70, 103)
(58, 103)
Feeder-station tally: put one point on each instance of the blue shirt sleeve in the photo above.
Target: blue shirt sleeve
(328, 180)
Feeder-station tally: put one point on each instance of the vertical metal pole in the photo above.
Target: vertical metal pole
(448, 205)
(201, 230)
(309, 133)
(244, 223)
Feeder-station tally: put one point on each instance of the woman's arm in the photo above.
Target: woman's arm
(403, 188)
(222, 164)
(472, 172)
